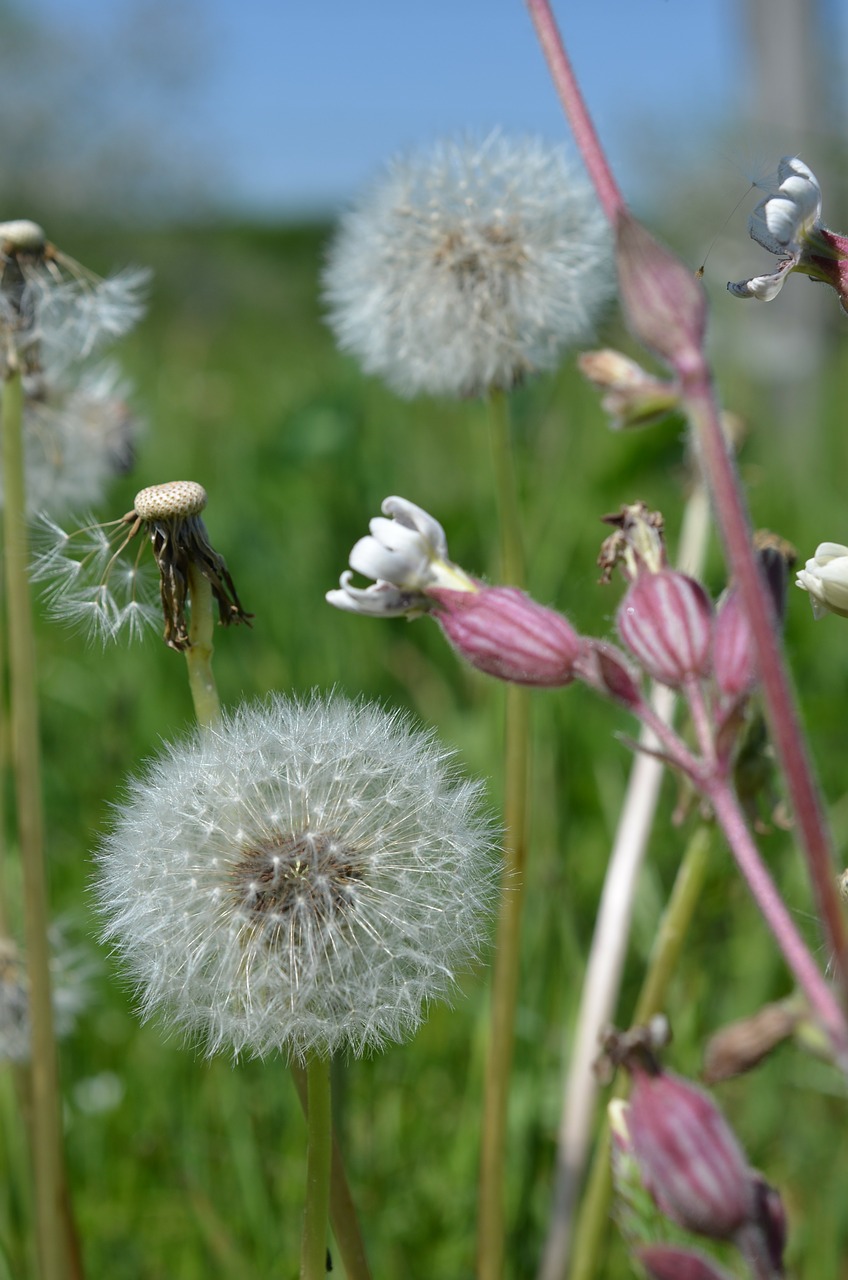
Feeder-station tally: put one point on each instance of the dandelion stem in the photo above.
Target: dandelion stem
(490, 1223)
(593, 1223)
(342, 1210)
(48, 1166)
(313, 1257)
(207, 704)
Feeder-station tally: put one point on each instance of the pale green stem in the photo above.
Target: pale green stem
(207, 704)
(342, 1211)
(207, 708)
(313, 1256)
(490, 1223)
(593, 1222)
(605, 963)
(48, 1167)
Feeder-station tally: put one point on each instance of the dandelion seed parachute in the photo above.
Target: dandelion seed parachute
(300, 876)
(468, 266)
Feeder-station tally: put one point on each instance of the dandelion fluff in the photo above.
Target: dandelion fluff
(300, 876)
(468, 266)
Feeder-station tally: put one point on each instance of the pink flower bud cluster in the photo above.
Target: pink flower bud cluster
(696, 1171)
(668, 623)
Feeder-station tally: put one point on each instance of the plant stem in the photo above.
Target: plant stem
(342, 1211)
(782, 714)
(811, 980)
(593, 1222)
(313, 1256)
(498, 1068)
(605, 964)
(207, 704)
(574, 106)
(48, 1165)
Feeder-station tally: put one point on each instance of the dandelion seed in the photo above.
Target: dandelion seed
(78, 434)
(469, 266)
(93, 586)
(301, 876)
(52, 308)
(71, 971)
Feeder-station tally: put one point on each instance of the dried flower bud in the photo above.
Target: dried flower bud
(689, 1157)
(664, 305)
(633, 397)
(665, 620)
(501, 631)
(668, 1262)
(743, 1044)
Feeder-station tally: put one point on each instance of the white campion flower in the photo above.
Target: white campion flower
(788, 223)
(406, 554)
(825, 578)
(299, 876)
(468, 266)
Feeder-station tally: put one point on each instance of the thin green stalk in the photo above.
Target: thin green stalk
(313, 1256)
(204, 692)
(490, 1223)
(593, 1222)
(47, 1152)
(342, 1211)
(207, 706)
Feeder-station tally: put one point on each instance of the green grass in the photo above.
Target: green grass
(197, 1172)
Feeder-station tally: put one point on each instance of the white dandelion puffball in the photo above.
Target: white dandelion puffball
(470, 265)
(302, 876)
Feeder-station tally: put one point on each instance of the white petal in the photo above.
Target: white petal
(406, 566)
(764, 288)
(826, 551)
(412, 517)
(381, 600)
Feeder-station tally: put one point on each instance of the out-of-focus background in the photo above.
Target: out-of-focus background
(216, 142)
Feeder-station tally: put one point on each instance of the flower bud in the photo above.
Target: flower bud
(666, 621)
(604, 668)
(633, 397)
(734, 652)
(663, 303)
(501, 631)
(825, 577)
(667, 1262)
(689, 1158)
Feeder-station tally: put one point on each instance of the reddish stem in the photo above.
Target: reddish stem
(823, 1003)
(575, 109)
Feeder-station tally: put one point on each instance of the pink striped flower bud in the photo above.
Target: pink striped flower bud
(665, 620)
(688, 1155)
(734, 652)
(664, 304)
(501, 631)
(668, 1262)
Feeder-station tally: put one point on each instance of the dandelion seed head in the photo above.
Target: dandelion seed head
(301, 876)
(172, 500)
(469, 266)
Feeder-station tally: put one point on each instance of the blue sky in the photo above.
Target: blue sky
(292, 106)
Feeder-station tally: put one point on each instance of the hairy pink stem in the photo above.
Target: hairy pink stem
(783, 717)
(575, 109)
(823, 1003)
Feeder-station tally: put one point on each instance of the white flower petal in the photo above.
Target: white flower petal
(763, 288)
(825, 578)
(412, 517)
(380, 600)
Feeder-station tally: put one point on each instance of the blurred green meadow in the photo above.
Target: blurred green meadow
(184, 1168)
